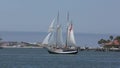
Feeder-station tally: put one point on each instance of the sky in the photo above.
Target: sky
(88, 16)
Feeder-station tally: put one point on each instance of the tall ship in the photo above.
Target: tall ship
(54, 39)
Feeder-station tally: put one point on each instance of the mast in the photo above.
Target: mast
(67, 17)
(67, 29)
(58, 18)
(57, 29)
(59, 37)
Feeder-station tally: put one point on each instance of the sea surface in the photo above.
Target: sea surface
(40, 58)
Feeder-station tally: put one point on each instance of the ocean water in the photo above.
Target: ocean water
(40, 58)
(82, 39)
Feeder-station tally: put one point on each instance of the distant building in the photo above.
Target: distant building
(112, 44)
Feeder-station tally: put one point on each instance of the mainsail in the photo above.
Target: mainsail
(59, 39)
(70, 36)
(56, 36)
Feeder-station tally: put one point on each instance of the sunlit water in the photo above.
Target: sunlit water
(40, 58)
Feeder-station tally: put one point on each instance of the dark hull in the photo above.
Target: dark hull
(64, 52)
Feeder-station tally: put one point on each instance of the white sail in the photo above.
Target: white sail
(50, 30)
(51, 27)
(45, 41)
(59, 39)
(51, 40)
(70, 36)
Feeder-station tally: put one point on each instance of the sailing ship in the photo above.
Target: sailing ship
(54, 40)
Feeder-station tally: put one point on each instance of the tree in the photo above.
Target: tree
(102, 41)
(111, 37)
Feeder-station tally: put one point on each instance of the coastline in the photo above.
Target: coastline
(79, 49)
(20, 47)
(12, 44)
(4, 44)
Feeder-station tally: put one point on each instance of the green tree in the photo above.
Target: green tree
(111, 37)
(102, 41)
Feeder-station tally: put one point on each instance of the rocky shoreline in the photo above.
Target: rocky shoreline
(12, 44)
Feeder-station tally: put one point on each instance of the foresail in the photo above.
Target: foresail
(52, 39)
(51, 27)
(50, 30)
(45, 41)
